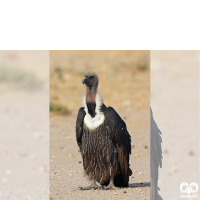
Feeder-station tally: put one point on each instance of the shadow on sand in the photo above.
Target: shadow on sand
(141, 184)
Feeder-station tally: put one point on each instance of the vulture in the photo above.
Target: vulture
(103, 139)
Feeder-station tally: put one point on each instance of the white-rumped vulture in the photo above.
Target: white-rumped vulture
(103, 139)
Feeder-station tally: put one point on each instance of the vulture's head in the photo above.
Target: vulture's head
(91, 79)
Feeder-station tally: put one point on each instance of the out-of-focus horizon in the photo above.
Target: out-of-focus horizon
(24, 103)
(124, 79)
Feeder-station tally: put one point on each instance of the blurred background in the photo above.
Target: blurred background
(124, 82)
(175, 105)
(124, 77)
(24, 125)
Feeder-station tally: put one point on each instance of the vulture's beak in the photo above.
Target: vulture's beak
(85, 79)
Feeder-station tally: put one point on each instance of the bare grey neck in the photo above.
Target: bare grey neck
(91, 94)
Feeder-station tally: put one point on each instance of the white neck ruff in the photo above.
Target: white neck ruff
(94, 122)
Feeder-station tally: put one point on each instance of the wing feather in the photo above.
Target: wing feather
(79, 126)
(121, 139)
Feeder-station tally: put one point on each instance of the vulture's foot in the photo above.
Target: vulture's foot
(109, 187)
(93, 186)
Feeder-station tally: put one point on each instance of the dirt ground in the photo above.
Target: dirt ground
(24, 104)
(175, 104)
(125, 85)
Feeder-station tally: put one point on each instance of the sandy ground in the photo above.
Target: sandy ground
(24, 131)
(175, 104)
(66, 170)
(24, 137)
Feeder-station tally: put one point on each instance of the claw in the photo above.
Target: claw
(85, 188)
(80, 188)
(93, 186)
(102, 187)
(109, 187)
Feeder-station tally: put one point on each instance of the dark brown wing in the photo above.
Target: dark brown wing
(79, 126)
(121, 139)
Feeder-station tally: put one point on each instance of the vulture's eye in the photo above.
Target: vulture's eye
(91, 76)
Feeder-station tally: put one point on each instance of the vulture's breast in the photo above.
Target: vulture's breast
(94, 122)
